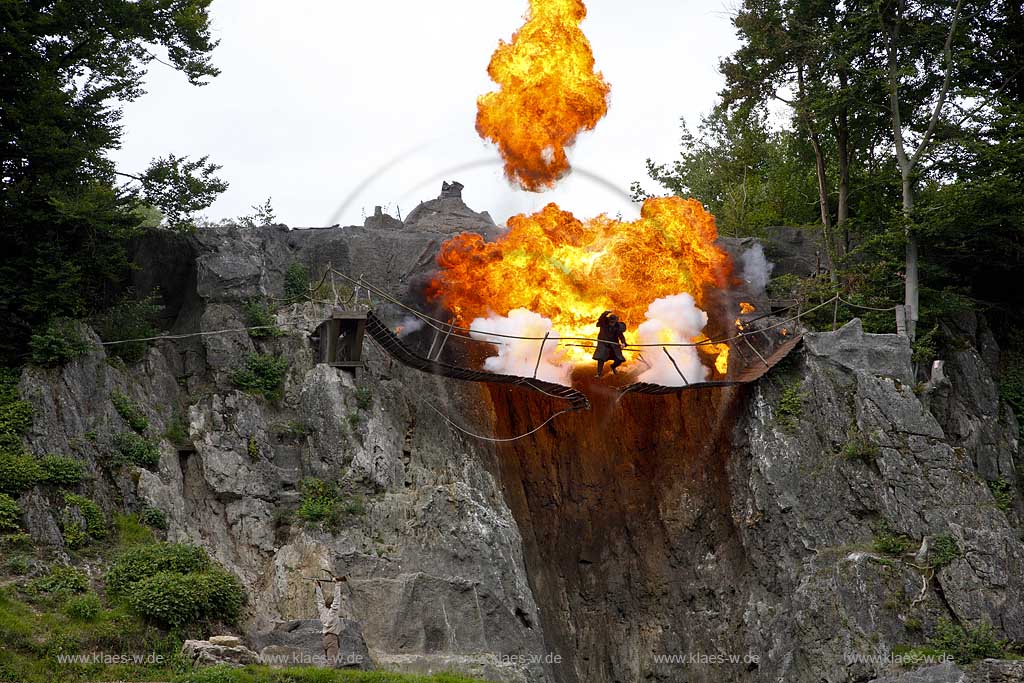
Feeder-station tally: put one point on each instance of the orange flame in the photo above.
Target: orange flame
(570, 271)
(746, 308)
(548, 92)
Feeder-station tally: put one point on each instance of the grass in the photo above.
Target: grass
(859, 446)
(64, 612)
(131, 413)
(324, 505)
(1002, 491)
(944, 549)
(262, 374)
(262, 674)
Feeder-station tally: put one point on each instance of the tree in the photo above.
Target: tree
(748, 176)
(65, 66)
(789, 53)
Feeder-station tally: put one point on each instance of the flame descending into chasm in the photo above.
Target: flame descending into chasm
(548, 92)
(569, 271)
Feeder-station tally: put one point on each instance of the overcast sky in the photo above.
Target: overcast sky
(315, 97)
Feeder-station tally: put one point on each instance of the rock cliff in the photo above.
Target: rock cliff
(618, 542)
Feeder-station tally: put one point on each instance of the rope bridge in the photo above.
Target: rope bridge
(393, 346)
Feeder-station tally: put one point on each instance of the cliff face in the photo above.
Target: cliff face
(712, 523)
(734, 521)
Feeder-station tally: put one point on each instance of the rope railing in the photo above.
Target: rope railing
(448, 328)
(445, 326)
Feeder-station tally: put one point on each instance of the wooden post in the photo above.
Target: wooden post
(540, 354)
(433, 343)
(901, 320)
(835, 312)
(676, 366)
(755, 350)
(444, 341)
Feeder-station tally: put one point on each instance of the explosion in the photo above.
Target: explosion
(548, 92)
(569, 271)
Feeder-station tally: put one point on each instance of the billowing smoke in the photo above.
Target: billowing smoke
(672, 320)
(519, 356)
(756, 269)
(408, 325)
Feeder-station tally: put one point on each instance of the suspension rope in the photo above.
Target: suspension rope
(867, 308)
(198, 334)
(429, 320)
(492, 439)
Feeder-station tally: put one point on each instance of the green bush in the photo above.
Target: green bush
(177, 430)
(140, 562)
(59, 342)
(223, 595)
(791, 406)
(1002, 491)
(61, 581)
(296, 283)
(323, 504)
(17, 564)
(89, 524)
(319, 504)
(19, 471)
(60, 470)
(252, 448)
(364, 398)
(889, 542)
(153, 517)
(294, 429)
(860, 447)
(943, 550)
(257, 314)
(263, 374)
(130, 412)
(966, 645)
(10, 513)
(130, 318)
(925, 347)
(173, 600)
(19, 540)
(15, 415)
(83, 607)
(137, 450)
(129, 531)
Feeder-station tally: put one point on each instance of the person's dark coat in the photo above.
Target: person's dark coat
(611, 331)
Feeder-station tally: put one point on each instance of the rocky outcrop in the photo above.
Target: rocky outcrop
(637, 541)
(449, 215)
(669, 531)
(226, 651)
(300, 643)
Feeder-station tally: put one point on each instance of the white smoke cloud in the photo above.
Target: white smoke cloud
(756, 268)
(408, 325)
(672, 320)
(519, 356)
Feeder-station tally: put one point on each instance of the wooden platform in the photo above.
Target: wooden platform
(751, 373)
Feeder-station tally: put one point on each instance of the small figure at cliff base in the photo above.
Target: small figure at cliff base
(610, 342)
(331, 613)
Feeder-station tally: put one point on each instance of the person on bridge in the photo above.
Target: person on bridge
(610, 342)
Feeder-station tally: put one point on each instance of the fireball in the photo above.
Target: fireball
(548, 92)
(569, 271)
